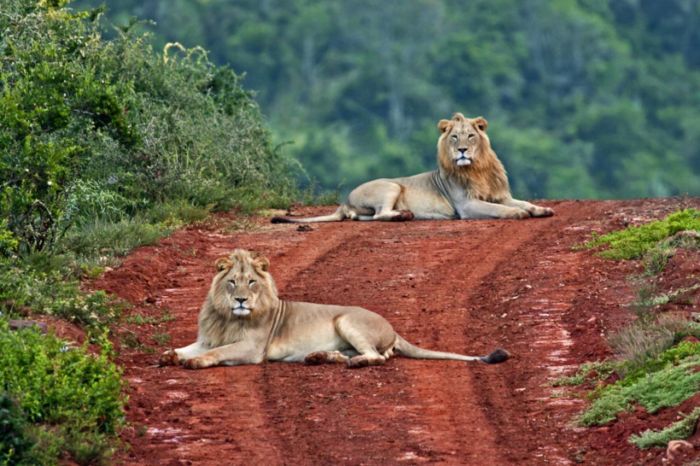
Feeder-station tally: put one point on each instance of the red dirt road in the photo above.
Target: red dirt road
(463, 286)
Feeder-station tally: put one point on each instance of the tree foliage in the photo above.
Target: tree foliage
(586, 98)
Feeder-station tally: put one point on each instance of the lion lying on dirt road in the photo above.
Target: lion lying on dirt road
(470, 182)
(244, 322)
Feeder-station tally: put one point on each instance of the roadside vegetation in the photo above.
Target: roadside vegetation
(56, 400)
(658, 354)
(105, 145)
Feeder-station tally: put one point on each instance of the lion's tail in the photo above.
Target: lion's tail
(412, 351)
(341, 213)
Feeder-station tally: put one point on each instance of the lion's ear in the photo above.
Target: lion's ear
(261, 262)
(223, 263)
(481, 123)
(444, 125)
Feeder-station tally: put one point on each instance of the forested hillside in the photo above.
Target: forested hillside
(585, 98)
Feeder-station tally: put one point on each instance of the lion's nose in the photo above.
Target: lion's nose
(241, 300)
(462, 150)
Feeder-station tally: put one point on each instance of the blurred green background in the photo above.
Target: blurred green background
(585, 98)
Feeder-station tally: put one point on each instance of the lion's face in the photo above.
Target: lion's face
(461, 141)
(243, 287)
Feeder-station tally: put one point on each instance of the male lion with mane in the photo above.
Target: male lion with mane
(470, 182)
(243, 321)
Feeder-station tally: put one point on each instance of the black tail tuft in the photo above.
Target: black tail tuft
(496, 356)
(280, 220)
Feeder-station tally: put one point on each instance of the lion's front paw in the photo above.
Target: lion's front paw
(518, 214)
(198, 363)
(169, 358)
(403, 216)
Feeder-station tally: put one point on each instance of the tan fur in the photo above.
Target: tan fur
(243, 321)
(470, 182)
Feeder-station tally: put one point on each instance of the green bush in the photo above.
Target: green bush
(15, 442)
(70, 400)
(8, 242)
(95, 129)
(51, 292)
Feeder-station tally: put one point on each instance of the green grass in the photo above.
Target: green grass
(140, 319)
(665, 381)
(161, 339)
(677, 431)
(588, 372)
(58, 399)
(634, 242)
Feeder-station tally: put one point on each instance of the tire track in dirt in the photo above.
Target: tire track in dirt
(527, 306)
(421, 272)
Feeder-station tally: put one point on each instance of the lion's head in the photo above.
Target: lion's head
(243, 288)
(464, 152)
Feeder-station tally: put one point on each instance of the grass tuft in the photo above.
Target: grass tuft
(665, 381)
(677, 431)
(634, 242)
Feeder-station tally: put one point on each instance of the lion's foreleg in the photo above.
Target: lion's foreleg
(474, 208)
(231, 355)
(325, 357)
(176, 356)
(532, 209)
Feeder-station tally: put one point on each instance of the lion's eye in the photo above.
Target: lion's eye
(454, 137)
(251, 282)
(232, 282)
(472, 137)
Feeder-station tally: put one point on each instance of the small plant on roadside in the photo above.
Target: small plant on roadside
(140, 319)
(641, 341)
(587, 372)
(634, 242)
(51, 293)
(679, 430)
(664, 381)
(161, 338)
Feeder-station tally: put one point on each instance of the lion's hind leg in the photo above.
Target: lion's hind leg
(325, 357)
(381, 198)
(369, 336)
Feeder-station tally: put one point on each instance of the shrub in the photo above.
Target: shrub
(50, 292)
(8, 242)
(72, 399)
(15, 442)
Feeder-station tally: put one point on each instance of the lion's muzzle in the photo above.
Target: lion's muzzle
(240, 307)
(463, 158)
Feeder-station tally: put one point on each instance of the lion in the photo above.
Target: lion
(469, 183)
(243, 321)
